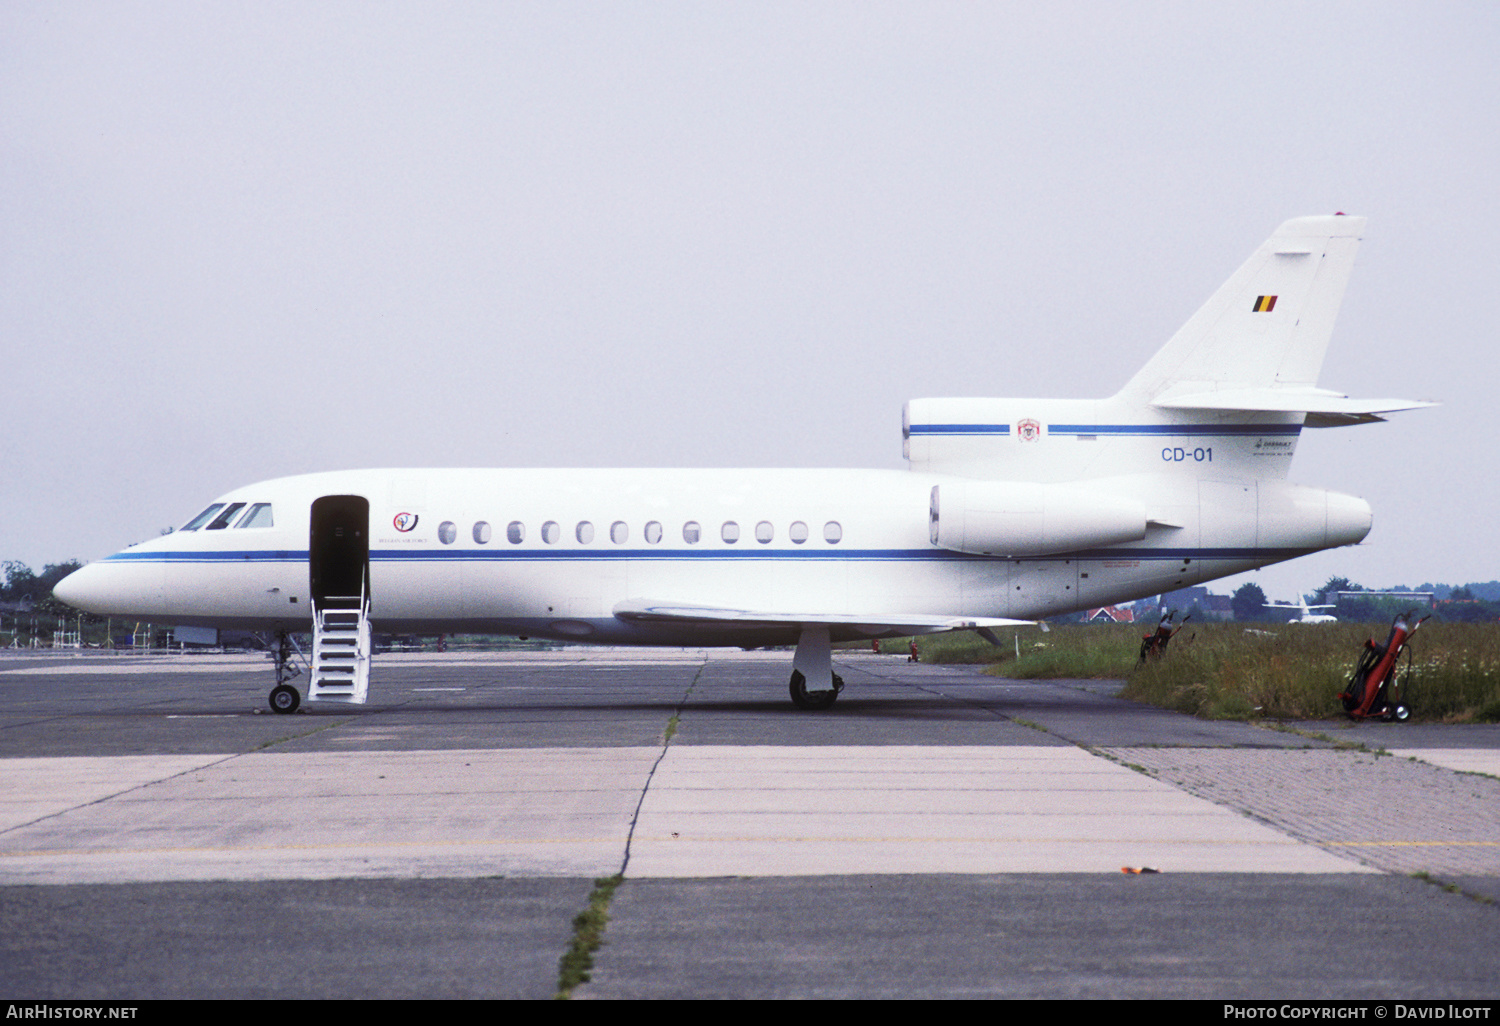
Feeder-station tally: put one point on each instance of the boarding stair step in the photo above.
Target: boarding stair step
(341, 649)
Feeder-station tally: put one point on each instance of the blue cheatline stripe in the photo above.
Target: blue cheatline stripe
(1113, 429)
(226, 556)
(959, 429)
(699, 555)
(1174, 429)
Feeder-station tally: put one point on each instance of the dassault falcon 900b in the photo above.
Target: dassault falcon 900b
(1011, 510)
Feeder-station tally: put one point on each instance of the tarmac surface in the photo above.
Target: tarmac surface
(938, 833)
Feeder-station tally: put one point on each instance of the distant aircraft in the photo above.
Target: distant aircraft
(1011, 510)
(1305, 612)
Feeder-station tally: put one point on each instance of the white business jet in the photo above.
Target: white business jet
(1305, 612)
(1011, 510)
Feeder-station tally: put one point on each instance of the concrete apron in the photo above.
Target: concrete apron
(691, 811)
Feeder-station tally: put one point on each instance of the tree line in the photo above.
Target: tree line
(25, 588)
(1463, 604)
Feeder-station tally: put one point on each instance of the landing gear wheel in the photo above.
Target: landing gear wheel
(813, 700)
(284, 699)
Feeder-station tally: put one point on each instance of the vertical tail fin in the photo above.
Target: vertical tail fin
(1226, 397)
(1269, 325)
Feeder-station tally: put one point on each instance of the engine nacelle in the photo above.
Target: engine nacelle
(1022, 518)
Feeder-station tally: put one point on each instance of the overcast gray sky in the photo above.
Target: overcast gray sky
(245, 240)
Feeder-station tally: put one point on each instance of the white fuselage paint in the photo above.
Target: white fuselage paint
(883, 563)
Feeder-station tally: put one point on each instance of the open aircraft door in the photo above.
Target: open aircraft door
(338, 547)
(338, 567)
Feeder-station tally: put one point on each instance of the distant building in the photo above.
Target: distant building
(1421, 598)
(1109, 614)
(1183, 598)
(1199, 602)
(1218, 605)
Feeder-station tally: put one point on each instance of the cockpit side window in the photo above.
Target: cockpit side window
(259, 515)
(221, 521)
(202, 518)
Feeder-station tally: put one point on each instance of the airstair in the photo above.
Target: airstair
(341, 649)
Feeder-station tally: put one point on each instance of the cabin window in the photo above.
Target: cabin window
(516, 532)
(202, 518)
(259, 516)
(585, 532)
(832, 532)
(653, 532)
(619, 532)
(691, 532)
(447, 532)
(797, 532)
(551, 532)
(730, 532)
(222, 520)
(764, 532)
(482, 532)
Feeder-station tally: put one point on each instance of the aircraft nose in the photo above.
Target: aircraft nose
(107, 588)
(81, 589)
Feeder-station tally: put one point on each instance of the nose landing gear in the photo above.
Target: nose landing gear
(284, 698)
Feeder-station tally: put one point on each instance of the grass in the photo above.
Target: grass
(1221, 671)
(1066, 651)
(588, 934)
(1298, 671)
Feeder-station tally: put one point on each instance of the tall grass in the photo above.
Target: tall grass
(1282, 671)
(1451, 672)
(1072, 650)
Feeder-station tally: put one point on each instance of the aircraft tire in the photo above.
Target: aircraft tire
(284, 699)
(813, 700)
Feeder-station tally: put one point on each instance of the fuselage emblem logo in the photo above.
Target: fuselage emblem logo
(1029, 430)
(405, 521)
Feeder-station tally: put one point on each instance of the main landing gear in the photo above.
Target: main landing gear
(814, 700)
(284, 698)
(814, 685)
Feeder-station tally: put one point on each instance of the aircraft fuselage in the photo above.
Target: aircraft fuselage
(553, 553)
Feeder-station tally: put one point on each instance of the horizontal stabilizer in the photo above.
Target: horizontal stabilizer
(647, 611)
(1324, 408)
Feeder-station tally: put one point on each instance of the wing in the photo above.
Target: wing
(687, 615)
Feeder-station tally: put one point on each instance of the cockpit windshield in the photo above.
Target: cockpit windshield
(221, 521)
(221, 515)
(202, 518)
(259, 516)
